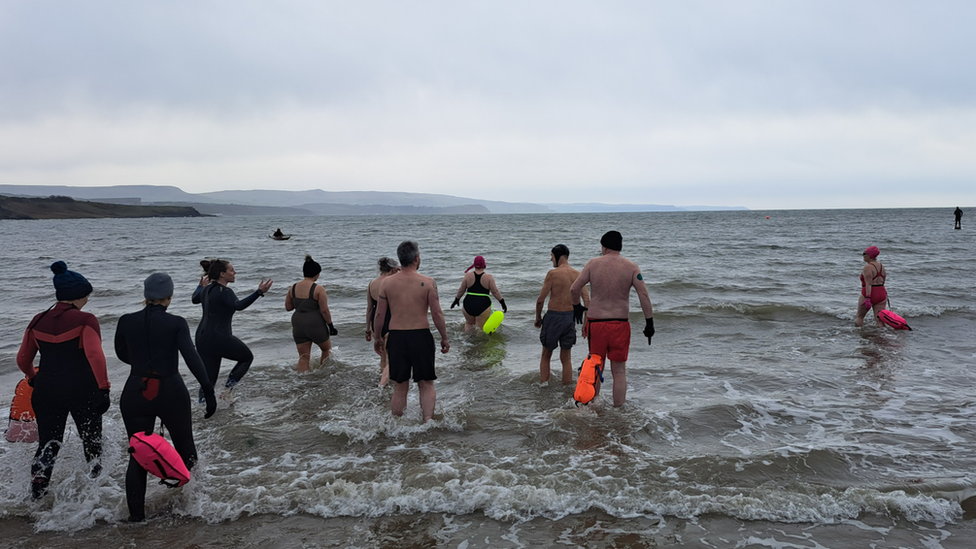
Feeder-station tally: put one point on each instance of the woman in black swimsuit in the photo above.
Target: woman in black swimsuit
(387, 267)
(312, 321)
(475, 287)
(215, 340)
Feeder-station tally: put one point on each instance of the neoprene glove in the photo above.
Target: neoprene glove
(102, 401)
(578, 311)
(457, 300)
(504, 307)
(332, 329)
(30, 382)
(208, 394)
(649, 329)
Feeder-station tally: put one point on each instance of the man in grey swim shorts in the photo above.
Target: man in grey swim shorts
(558, 328)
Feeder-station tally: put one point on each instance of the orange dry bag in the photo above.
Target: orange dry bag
(22, 427)
(590, 371)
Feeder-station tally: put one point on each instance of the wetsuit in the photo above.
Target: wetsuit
(878, 292)
(477, 300)
(214, 337)
(71, 379)
(307, 323)
(148, 340)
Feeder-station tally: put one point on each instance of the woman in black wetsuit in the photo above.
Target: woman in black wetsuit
(148, 341)
(214, 337)
(475, 287)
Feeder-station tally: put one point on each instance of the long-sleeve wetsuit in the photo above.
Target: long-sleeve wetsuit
(67, 381)
(149, 340)
(214, 337)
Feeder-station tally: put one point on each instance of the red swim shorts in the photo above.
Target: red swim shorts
(609, 338)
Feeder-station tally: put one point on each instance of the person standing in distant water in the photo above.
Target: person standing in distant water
(387, 267)
(70, 379)
(409, 344)
(874, 296)
(475, 287)
(312, 321)
(607, 325)
(558, 328)
(958, 213)
(215, 339)
(149, 340)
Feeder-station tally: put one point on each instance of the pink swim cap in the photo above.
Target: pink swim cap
(872, 251)
(479, 263)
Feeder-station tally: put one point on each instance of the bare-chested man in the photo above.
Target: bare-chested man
(607, 326)
(558, 328)
(409, 344)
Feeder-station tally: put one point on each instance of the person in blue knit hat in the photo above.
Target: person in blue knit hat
(71, 377)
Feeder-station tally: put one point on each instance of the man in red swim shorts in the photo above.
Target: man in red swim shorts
(611, 277)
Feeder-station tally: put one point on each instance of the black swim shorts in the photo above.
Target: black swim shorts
(411, 351)
(558, 328)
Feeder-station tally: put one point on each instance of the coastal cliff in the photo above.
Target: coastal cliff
(63, 207)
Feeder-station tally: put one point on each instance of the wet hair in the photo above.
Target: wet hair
(560, 250)
(311, 267)
(213, 268)
(386, 264)
(407, 252)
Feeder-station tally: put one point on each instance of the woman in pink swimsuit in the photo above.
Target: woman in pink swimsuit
(873, 296)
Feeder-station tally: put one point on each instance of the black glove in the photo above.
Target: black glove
(457, 301)
(102, 401)
(208, 394)
(332, 330)
(30, 382)
(504, 307)
(578, 311)
(649, 329)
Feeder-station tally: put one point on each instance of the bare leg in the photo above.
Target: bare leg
(399, 401)
(468, 321)
(619, 371)
(861, 311)
(304, 353)
(544, 365)
(877, 311)
(566, 357)
(482, 318)
(427, 398)
(326, 350)
(384, 367)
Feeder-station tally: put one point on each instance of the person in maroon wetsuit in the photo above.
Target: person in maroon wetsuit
(71, 377)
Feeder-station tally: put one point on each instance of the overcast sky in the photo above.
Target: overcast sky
(763, 104)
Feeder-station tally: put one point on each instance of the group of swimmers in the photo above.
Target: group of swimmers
(71, 377)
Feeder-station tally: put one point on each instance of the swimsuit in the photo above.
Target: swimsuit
(149, 340)
(411, 350)
(70, 374)
(372, 315)
(307, 323)
(477, 299)
(214, 338)
(609, 337)
(878, 292)
(558, 329)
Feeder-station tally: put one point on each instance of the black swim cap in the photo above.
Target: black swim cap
(310, 268)
(559, 250)
(612, 241)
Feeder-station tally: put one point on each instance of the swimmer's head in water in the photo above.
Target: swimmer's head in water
(872, 252)
(386, 265)
(311, 267)
(214, 267)
(69, 285)
(479, 263)
(612, 240)
(158, 286)
(558, 251)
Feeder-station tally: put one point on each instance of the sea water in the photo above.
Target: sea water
(759, 416)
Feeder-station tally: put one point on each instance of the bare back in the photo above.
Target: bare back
(557, 285)
(409, 295)
(611, 277)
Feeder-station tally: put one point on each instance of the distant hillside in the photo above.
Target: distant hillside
(63, 207)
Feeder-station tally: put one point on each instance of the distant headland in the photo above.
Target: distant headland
(319, 202)
(64, 207)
